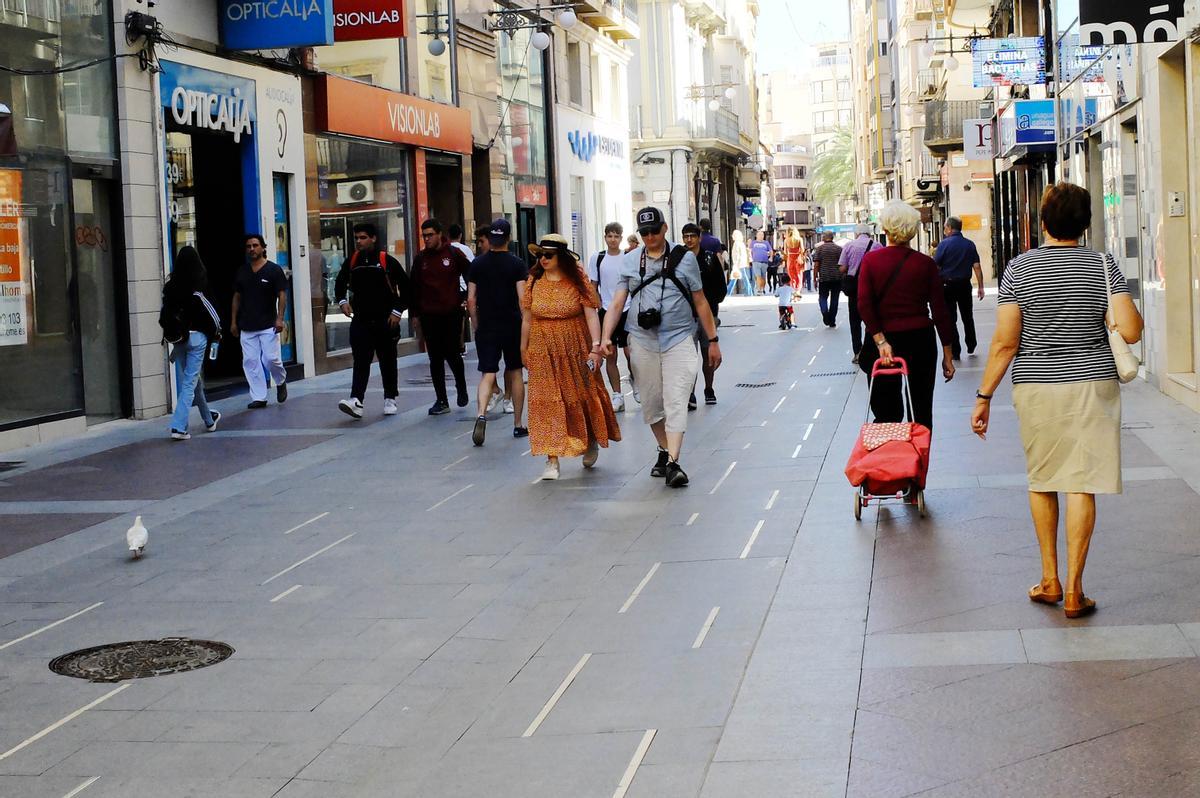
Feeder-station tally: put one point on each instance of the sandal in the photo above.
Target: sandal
(1038, 593)
(1084, 605)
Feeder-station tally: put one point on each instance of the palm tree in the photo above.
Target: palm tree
(834, 172)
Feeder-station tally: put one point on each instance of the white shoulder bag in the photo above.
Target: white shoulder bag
(1126, 360)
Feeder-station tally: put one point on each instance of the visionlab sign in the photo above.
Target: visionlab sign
(363, 20)
(265, 24)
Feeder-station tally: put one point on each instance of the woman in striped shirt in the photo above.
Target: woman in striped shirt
(1052, 322)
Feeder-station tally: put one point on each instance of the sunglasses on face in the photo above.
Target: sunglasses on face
(548, 255)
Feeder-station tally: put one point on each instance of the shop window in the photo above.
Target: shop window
(376, 62)
(357, 182)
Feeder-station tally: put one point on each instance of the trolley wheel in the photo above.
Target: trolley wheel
(921, 503)
(858, 505)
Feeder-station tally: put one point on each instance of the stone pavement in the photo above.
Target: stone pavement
(413, 616)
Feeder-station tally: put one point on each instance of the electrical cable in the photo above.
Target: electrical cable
(512, 95)
(67, 68)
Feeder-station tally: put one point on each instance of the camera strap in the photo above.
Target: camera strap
(667, 273)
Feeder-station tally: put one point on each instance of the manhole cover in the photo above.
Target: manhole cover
(140, 659)
(832, 373)
(10, 465)
(754, 385)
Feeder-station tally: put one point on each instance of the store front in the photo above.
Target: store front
(64, 335)
(234, 166)
(524, 140)
(382, 157)
(593, 173)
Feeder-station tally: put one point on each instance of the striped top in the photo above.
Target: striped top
(1062, 297)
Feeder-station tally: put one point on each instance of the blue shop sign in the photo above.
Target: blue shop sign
(585, 146)
(196, 97)
(1032, 123)
(264, 24)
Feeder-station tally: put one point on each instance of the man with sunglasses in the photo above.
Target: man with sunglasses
(437, 305)
(667, 300)
(259, 302)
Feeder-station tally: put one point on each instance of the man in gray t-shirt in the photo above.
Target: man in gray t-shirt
(666, 302)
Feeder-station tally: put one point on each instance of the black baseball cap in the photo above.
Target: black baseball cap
(500, 232)
(650, 220)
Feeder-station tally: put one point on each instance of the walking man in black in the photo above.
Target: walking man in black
(259, 305)
(712, 276)
(825, 260)
(957, 259)
(436, 271)
(378, 292)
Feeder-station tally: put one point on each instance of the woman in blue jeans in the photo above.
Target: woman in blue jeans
(185, 291)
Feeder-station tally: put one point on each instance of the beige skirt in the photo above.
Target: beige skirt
(1072, 436)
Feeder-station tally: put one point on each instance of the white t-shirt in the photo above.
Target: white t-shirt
(784, 292)
(610, 277)
(464, 249)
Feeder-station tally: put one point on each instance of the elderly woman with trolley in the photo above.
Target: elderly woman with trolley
(1064, 323)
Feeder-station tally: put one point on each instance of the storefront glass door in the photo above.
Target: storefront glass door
(96, 294)
(283, 257)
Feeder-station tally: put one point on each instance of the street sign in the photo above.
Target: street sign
(1130, 21)
(748, 208)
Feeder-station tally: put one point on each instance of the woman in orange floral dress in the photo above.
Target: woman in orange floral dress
(570, 412)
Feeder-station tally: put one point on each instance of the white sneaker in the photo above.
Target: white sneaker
(495, 403)
(351, 407)
(551, 472)
(618, 402)
(508, 407)
(389, 407)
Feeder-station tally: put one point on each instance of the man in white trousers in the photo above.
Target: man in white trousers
(259, 302)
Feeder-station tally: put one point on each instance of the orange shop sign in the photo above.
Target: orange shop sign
(358, 109)
(13, 318)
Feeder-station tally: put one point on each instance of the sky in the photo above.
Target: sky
(783, 24)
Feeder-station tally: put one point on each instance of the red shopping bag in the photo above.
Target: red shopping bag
(889, 458)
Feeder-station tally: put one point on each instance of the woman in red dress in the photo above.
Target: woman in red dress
(793, 249)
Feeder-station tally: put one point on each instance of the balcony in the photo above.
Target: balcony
(929, 174)
(882, 162)
(721, 130)
(944, 122)
(929, 83)
(707, 14)
(617, 18)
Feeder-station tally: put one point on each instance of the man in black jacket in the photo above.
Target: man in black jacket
(712, 276)
(378, 287)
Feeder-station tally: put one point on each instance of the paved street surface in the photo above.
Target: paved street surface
(413, 616)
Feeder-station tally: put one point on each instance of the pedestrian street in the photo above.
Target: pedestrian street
(411, 615)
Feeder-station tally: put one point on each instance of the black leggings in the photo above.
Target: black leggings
(443, 340)
(368, 340)
(920, 350)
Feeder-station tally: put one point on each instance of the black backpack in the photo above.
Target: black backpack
(712, 278)
(171, 318)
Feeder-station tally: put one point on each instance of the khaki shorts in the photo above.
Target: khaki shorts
(665, 380)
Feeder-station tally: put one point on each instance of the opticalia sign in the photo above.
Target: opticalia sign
(208, 100)
(265, 24)
(362, 20)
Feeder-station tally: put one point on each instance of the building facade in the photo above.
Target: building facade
(871, 36)
(693, 102)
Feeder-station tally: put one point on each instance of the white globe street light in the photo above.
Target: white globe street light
(540, 40)
(730, 93)
(714, 105)
(436, 47)
(567, 19)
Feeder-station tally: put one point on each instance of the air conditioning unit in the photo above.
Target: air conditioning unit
(355, 191)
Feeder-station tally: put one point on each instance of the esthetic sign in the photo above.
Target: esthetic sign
(1130, 21)
(362, 20)
(977, 139)
(264, 24)
(358, 109)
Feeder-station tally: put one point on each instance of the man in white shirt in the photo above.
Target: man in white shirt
(604, 270)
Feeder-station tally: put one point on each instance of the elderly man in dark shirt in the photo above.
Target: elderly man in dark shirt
(825, 259)
(957, 258)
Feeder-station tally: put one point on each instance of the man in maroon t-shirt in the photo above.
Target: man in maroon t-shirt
(438, 307)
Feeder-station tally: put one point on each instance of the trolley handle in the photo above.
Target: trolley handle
(901, 367)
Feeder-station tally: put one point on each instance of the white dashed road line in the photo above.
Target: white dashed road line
(312, 520)
(637, 591)
(796, 453)
(692, 520)
(451, 496)
(636, 761)
(725, 476)
(814, 360)
(316, 553)
(779, 404)
(562, 688)
(49, 626)
(817, 414)
(753, 537)
(771, 501)
(286, 593)
(807, 432)
(62, 722)
(708, 622)
(82, 787)
(456, 462)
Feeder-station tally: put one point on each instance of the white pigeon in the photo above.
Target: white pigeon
(137, 537)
